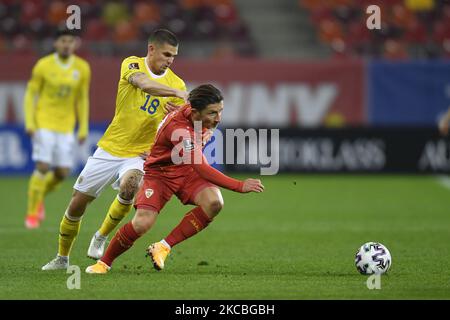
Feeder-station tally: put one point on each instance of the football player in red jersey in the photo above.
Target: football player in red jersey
(177, 166)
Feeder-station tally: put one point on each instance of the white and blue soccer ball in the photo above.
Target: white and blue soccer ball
(373, 257)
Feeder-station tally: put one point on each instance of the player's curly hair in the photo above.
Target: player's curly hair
(204, 95)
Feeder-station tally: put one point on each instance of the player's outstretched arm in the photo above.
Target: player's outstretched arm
(142, 81)
(444, 123)
(218, 178)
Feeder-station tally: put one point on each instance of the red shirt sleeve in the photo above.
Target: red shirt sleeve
(215, 176)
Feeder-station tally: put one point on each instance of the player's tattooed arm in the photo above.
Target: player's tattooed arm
(142, 81)
(135, 78)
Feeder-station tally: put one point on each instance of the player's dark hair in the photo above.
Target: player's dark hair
(65, 32)
(162, 36)
(204, 95)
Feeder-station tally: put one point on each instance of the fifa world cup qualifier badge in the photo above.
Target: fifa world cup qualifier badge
(133, 65)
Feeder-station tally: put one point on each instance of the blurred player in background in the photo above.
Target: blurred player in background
(444, 123)
(193, 183)
(119, 158)
(57, 96)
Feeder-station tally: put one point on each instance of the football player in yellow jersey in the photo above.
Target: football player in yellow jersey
(57, 97)
(144, 88)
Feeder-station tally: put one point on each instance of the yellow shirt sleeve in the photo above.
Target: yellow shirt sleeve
(32, 94)
(129, 66)
(83, 103)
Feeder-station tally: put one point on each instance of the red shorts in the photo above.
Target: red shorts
(160, 184)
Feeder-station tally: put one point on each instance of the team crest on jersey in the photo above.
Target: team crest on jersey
(148, 193)
(76, 74)
(188, 145)
(133, 65)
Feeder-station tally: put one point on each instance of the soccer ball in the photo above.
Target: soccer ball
(373, 257)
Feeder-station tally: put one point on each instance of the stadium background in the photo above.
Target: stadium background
(346, 100)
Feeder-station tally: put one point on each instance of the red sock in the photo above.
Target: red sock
(121, 242)
(193, 222)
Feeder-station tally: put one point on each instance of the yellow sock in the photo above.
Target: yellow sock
(68, 231)
(51, 182)
(36, 189)
(117, 211)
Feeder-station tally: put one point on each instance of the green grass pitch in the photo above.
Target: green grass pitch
(297, 240)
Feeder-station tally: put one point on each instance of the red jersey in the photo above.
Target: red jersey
(178, 148)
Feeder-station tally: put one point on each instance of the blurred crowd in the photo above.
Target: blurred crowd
(214, 28)
(409, 28)
(116, 27)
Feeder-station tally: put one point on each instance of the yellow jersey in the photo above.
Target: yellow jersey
(138, 114)
(57, 94)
